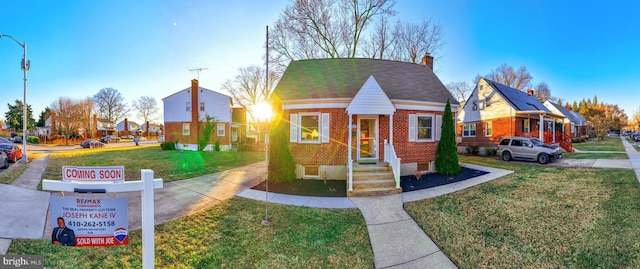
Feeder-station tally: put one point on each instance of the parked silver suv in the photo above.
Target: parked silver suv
(523, 148)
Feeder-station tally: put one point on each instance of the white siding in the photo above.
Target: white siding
(482, 95)
(175, 107)
(371, 99)
(216, 105)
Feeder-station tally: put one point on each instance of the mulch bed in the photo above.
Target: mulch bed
(411, 183)
(308, 187)
(338, 188)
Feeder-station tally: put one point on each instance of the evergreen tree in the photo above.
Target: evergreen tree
(447, 152)
(574, 107)
(282, 167)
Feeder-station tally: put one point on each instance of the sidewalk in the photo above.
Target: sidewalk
(634, 156)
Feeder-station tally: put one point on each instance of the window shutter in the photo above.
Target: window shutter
(412, 127)
(438, 126)
(324, 121)
(293, 128)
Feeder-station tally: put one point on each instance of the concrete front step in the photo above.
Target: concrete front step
(373, 183)
(371, 168)
(372, 175)
(374, 191)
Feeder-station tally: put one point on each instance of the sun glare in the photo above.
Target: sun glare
(262, 111)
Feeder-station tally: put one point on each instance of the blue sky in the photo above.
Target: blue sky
(579, 49)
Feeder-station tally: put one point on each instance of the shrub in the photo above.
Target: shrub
(282, 167)
(205, 132)
(447, 153)
(473, 150)
(216, 147)
(169, 145)
(32, 139)
(490, 151)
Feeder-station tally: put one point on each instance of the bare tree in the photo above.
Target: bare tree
(460, 90)
(310, 29)
(507, 75)
(70, 115)
(110, 104)
(147, 107)
(248, 89)
(542, 92)
(418, 40)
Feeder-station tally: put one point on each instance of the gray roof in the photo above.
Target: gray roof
(343, 78)
(580, 120)
(564, 112)
(519, 100)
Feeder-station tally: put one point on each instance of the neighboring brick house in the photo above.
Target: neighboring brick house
(570, 123)
(104, 127)
(127, 127)
(185, 111)
(494, 111)
(374, 107)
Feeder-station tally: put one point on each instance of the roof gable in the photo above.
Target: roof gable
(560, 109)
(519, 100)
(371, 99)
(344, 78)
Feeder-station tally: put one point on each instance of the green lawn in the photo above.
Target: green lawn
(590, 155)
(607, 144)
(13, 172)
(538, 217)
(230, 235)
(170, 165)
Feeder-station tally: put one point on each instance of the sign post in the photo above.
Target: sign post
(110, 183)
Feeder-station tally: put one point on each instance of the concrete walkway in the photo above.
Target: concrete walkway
(634, 156)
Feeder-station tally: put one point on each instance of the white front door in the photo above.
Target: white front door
(367, 137)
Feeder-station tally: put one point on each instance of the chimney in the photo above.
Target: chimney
(428, 61)
(126, 125)
(193, 132)
(530, 92)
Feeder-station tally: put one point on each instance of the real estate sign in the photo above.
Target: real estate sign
(113, 174)
(83, 221)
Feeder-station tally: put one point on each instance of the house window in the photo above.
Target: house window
(425, 128)
(474, 106)
(469, 130)
(573, 127)
(310, 128)
(188, 106)
(488, 128)
(221, 129)
(526, 126)
(311, 171)
(186, 129)
(201, 106)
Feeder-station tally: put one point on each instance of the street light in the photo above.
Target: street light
(26, 65)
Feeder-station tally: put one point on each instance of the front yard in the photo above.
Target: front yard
(538, 217)
(607, 144)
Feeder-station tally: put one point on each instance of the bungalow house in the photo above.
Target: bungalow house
(152, 130)
(362, 120)
(185, 114)
(582, 127)
(494, 111)
(127, 127)
(570, 122)
(104, 127)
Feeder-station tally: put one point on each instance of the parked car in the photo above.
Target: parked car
(15, 138)
(5, 140)
(635, 136)
(4, 160)
(523, 148)
(127, 137)
(109, 139)
(14, 153)
(91, 144)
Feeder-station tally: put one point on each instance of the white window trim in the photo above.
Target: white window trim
(302, 114)
(218, 129)
(528, 121)
(486, 129)
(187, 130)
(468, 130)
(433, 119)
(201, 106)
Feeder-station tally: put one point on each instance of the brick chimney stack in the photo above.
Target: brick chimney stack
(427, 60)
(530, 92)
(193, 132)
(126, 126)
